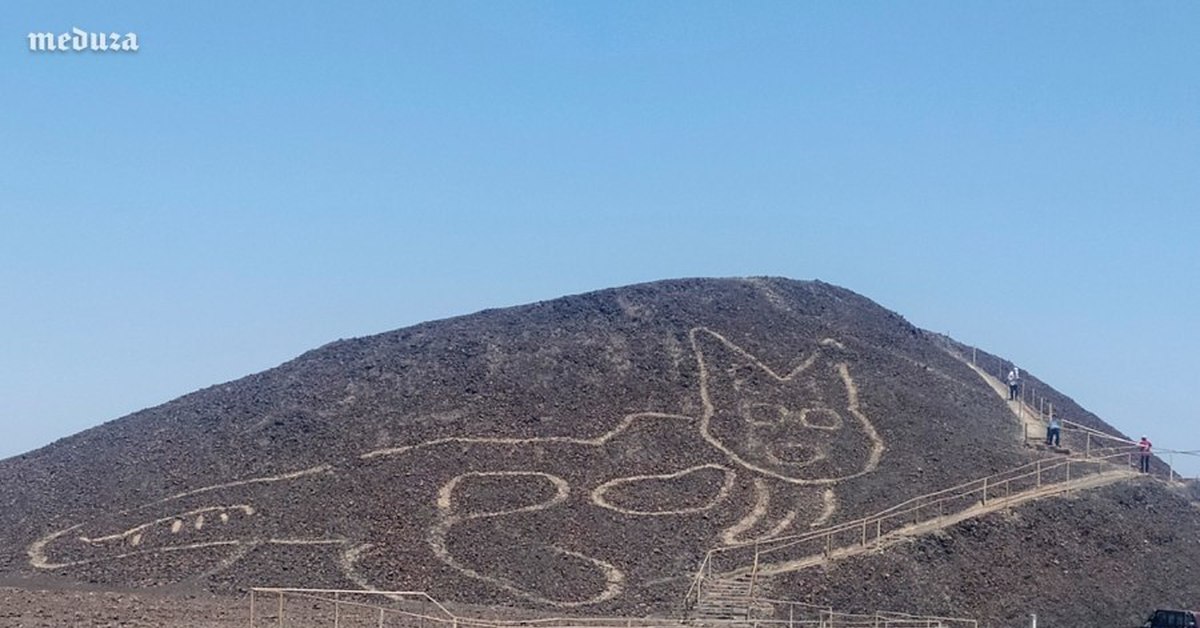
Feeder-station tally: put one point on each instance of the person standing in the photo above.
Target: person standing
(1014, 384)
(1144, 446)
(1053, 431)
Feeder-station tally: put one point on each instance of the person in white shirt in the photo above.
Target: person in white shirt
(1014, 384)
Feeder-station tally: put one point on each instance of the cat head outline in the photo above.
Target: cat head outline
(803, 427)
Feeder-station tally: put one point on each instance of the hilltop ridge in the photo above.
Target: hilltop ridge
(578, 454)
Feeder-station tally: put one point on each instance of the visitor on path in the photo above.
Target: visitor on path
(1144, 455)
(1053, 430)
(1014, 384)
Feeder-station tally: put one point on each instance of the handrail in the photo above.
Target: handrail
(458, 620)
(917, 503)
(958, 489)
(825, 616)
(421, 594)
(1035, 469)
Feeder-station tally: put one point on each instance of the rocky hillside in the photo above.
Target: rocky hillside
(579, 454)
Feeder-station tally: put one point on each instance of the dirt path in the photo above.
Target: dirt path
(938, 523)
(1028, 418)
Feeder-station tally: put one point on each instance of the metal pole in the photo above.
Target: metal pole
(337, 612)
(251, 608)
(754, 570)
(381, 618)
(1087, 452)
(984, 491)
(281, 608)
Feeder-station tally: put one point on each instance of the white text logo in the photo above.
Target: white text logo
(79, 40)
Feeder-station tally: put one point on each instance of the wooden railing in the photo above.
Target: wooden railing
(272, 607)
(1016, 484)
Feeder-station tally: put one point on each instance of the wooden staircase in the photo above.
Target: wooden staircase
(729, 598)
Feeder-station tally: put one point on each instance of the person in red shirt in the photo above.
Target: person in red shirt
(1144, 455)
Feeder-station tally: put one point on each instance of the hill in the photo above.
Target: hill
(579, 454)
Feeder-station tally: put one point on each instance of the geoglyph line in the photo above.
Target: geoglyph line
(600, 494)
(829, 506)
(259, 480)
(597, 495)
(590, 442)
(709, 410)
(174, 519)
(762, 501)
(438, 539)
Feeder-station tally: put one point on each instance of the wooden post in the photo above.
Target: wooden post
(754, 570)
(791, 614)
(251, 608)
(281, 608)
(878, 532)
(864, 535)
(973, 351)
(984, 491)
(381, 618)
(337, 611)
(1087, 451)
(1068, 469)
(1038, 466)
(828, 545)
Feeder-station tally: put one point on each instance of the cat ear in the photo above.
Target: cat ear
(720, 361)
(717, 357)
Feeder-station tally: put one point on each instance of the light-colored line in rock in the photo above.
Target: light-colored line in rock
(598, 493)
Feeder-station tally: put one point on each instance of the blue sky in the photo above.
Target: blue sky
(262, 178)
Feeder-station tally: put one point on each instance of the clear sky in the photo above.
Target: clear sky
(264, 177)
